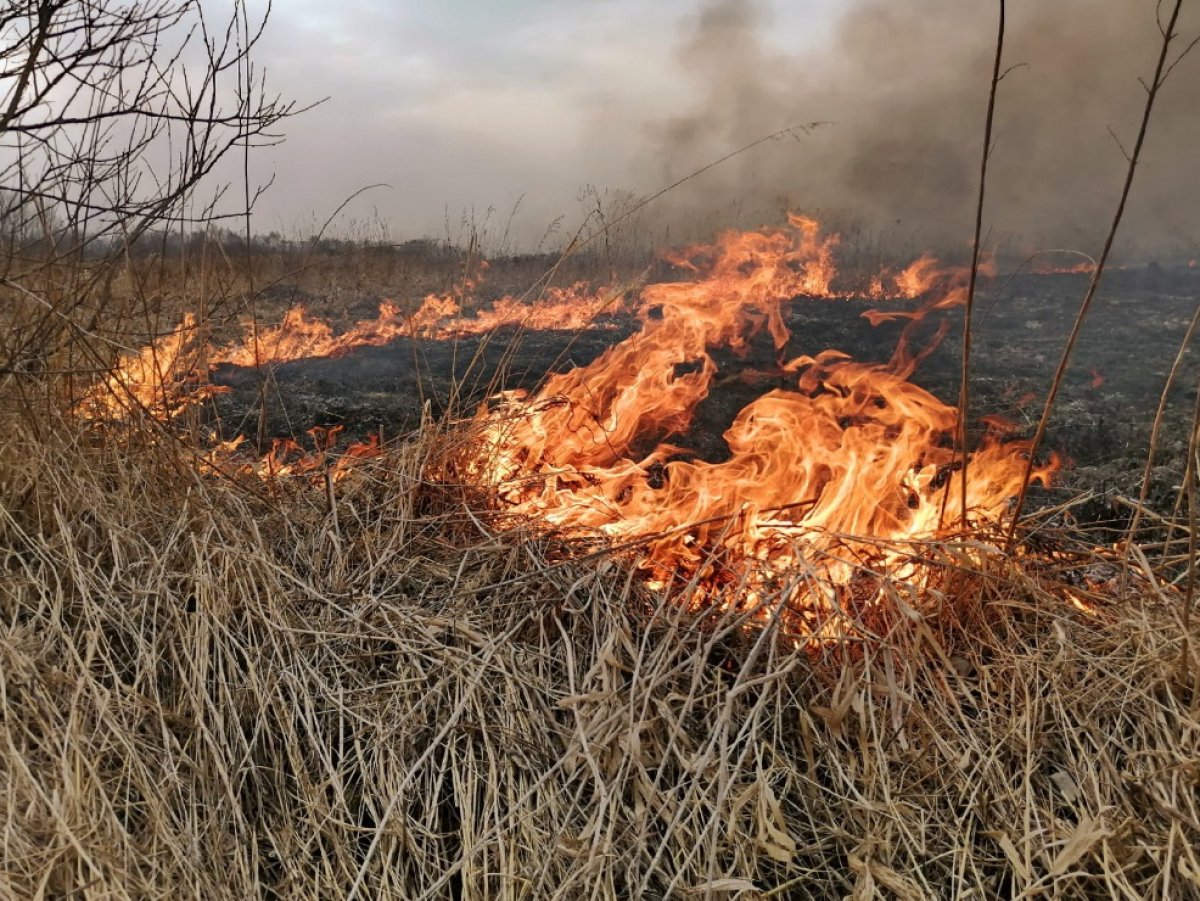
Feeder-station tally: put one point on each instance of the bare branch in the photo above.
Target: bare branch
(1117, 140)
(1012, 68)
(1178, 59)
(113, 114)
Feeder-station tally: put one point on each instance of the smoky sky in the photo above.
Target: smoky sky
(470, 108)
(903, 87)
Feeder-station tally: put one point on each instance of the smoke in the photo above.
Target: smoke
(903, 88)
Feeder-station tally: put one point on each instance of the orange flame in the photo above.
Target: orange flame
(300, 336)
(945, 287)
(826, 480)
(287, 458)
(918, 278)
(160, 379)
(166, 377)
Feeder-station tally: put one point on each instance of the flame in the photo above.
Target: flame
(919, 277)
(170, 375)
(287, 458)
(839, 475)
(569, 309)
(301, 336)
(944, 286)
(166, 377)
(160, 379)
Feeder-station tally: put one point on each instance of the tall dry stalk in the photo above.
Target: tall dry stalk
(1189, 493)
(1156, 429)
(964, 391)
(1162, 71)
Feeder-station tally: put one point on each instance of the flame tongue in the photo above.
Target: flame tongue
(838, 472)
(652, 381)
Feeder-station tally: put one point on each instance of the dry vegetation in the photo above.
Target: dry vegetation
(218, 691)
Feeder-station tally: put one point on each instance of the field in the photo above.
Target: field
(231, 687)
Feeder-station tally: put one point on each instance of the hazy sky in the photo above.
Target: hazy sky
(465, 104)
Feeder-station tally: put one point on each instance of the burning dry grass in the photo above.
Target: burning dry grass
(225, 689)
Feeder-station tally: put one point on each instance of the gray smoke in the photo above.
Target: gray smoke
(904, 88)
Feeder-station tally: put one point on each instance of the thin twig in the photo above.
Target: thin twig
(1155, 430)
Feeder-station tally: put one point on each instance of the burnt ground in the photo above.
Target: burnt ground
(1102, 420)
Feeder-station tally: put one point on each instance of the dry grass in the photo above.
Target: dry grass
(212, 690)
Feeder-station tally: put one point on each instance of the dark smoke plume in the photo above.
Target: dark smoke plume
(904, 87)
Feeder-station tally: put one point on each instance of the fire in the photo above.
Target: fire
(170, 375)
(830, 487)
(287, 458)
(301, 336)
(827, 481)
(160, 378)
(567, 309)
(918, 278)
